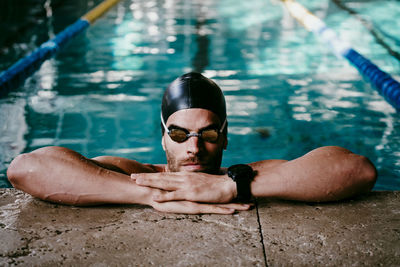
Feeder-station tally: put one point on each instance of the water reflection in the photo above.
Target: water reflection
(13, 128)
(286, 93)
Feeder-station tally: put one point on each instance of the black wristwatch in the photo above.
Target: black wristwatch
(242, 174)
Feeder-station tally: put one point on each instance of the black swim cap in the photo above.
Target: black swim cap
(193, 90)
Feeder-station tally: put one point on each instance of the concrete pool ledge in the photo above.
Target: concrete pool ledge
(362, 231)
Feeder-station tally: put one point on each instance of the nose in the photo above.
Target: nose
(193, 145)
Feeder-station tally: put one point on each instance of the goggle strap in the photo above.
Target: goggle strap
(163, 123)
(223, 126)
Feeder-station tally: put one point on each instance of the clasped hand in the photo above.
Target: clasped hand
(191, 192)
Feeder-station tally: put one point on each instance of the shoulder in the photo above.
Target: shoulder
(266, 164)
(125, 165)
(156, 167)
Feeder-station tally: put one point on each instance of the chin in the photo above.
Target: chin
(210, 170)
(199, 168)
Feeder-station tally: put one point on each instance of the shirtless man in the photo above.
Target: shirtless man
(194, 125)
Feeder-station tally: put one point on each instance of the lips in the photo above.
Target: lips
(193, 166)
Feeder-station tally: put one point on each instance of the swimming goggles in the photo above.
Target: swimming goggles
(180, 135)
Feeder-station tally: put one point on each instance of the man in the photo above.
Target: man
(194, 125)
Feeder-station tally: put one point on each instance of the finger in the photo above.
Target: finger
(188, 207)
(237, 206)
(158, 175)
(214, 209)
(169, 196)
(157, 183)
(166, 181)
(135, 176)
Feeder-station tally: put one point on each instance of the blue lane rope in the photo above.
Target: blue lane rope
(382, 81)
(22, 69)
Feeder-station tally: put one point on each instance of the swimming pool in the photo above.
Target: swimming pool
(286, 92)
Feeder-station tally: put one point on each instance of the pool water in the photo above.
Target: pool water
(286, 92)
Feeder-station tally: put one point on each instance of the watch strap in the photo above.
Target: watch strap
(243, 175)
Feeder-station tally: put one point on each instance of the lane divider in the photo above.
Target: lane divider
(382, 81)
(23, 68)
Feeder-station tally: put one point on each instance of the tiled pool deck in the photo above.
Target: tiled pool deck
(362, 231)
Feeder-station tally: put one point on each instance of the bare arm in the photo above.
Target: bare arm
(324, 174)
(61, 175)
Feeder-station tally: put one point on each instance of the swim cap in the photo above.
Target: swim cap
(193, 90)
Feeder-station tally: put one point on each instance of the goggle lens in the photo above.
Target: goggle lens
(179, 135)
(210, 135)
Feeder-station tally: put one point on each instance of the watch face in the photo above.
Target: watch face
(240, 171)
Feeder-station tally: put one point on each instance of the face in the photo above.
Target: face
(194, 154)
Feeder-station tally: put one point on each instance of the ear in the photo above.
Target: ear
(163, 142)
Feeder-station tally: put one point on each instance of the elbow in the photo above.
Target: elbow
(371, 174)
(24, 167)
(366, 173)
(18, 171)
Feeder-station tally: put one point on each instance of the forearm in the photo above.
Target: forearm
(61, 175)
(324, 174)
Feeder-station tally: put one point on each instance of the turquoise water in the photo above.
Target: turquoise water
(286, 92)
